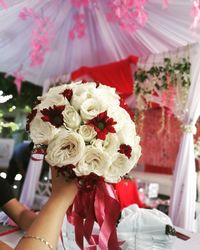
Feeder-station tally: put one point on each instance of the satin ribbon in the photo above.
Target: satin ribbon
(38, 154)
(98, 203)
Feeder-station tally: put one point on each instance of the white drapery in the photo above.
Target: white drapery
(32, 178)
(182, 208)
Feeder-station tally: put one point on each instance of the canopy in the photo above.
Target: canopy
(103, 42)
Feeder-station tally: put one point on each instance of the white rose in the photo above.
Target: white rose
(57, 89)
(81, 93)
(119, 167)
(52, 100)
(120, 116)
(91, 108)
(94, 160)
(97, 143)
(52, 91)
(41, 132)
(110, 144)
(66, 148)
(127, 135)
(87, 132)
(42, 98)
(107, 94)
(71, 117)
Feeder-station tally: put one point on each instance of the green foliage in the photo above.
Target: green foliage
(162, 75)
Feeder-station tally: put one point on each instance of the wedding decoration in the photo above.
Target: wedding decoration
(166, 86)
(196, 13)
(41, 35)
(18, 79)
(189, 128)
(128, 15)
(85, 134)
(3, 4)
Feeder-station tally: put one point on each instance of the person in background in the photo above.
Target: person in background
(44, 232)
(19, 161)
(22, 216)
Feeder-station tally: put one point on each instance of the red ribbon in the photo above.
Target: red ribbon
(98, 204)
(36, 154)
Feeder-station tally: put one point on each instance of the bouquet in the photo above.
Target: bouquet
(88, 135)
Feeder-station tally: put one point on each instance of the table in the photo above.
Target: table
(192, 244)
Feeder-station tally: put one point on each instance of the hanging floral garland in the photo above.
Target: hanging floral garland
(165, 86)
(160, 84)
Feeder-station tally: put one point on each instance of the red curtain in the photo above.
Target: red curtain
(118, 75)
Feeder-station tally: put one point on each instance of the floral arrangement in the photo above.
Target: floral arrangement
(85, 134)
(84, 128)
(164, 86)
(158, 78)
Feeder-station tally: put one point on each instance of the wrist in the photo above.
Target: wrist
(60, 200)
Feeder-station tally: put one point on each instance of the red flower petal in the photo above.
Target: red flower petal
(103, 125)
(68, 93)
(53, 115)
(125, 149)
(30, 117)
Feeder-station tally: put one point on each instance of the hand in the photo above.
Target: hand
(61, 188)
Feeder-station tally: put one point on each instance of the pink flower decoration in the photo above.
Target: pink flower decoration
(78, 30)
(40, 37)
(165, 3)
(128, 14)
(3, 4)
(196, 13)
(79, 3)
(19, 77)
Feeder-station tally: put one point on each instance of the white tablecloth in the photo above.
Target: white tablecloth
(192, 244)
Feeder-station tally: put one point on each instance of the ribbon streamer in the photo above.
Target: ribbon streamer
(99, 204)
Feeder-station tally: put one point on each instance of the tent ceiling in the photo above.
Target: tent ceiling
(166, 30)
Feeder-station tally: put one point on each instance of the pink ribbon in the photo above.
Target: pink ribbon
(97, 204)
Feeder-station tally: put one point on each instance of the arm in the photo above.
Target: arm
(48, 223)
(19, 214)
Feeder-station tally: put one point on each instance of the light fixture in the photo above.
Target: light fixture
(18, 177)
(3, 175)
(4, 98)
